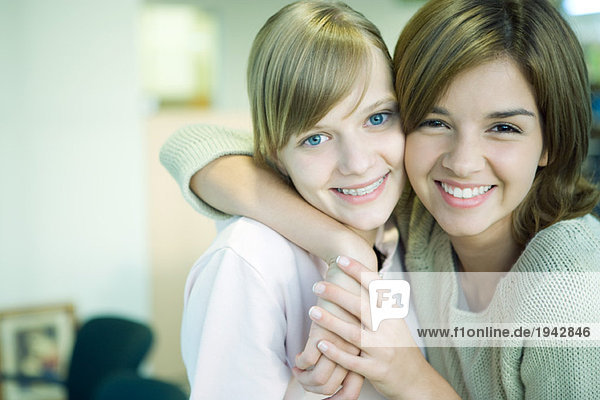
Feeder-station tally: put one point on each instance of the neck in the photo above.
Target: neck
(368, 236)
(485, 253)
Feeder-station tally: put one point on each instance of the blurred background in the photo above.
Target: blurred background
(89, 91)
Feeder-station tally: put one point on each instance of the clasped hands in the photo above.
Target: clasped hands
(335, 355)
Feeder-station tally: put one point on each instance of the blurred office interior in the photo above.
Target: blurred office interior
(90, 91)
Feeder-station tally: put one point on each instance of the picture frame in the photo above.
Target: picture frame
(36, 342)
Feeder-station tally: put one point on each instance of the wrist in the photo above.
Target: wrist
(349, 244)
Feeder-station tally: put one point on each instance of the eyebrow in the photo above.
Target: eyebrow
(493, 115)
(511, 113)
(391, 101)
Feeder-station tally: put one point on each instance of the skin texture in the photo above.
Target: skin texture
(358, 144)
(484, 132)
(355, 144)
(379, 361)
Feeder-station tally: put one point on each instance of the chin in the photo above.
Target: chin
(367, 223)
(462, 229)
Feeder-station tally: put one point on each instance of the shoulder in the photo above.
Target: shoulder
(570, 245)
(250, 239)
(249, 244)
(562, 265)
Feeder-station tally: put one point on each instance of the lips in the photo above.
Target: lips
(465, 192)
(465, 195)
(362, 191)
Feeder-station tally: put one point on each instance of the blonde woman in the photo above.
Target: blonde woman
(325, 119)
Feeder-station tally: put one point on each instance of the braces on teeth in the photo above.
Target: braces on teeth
(466, 193)
(364, 190)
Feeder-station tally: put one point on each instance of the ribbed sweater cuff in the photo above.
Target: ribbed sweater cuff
(191, 148)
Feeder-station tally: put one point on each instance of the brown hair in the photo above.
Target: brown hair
(446, 37)
(304, 60)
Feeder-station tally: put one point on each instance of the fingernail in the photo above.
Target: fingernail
(322, 346)
(318, 288)
(314, 312)
(342, 261)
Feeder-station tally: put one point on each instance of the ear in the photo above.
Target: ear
(543, 159)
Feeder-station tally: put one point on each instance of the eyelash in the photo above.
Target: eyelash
(305, 141)
(386, 114)
(512, 128)
(432, 123)
(436, 123)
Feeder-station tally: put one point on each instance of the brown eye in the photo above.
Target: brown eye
(432, 123)
(505, 128)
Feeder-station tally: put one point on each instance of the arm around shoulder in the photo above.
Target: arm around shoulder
(192, 148)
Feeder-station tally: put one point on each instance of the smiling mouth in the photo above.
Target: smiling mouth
(363, 190)
(465, 193)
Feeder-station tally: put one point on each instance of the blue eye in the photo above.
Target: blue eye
(315, 140)
(378, 119)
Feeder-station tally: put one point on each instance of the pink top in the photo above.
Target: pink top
(246, 312)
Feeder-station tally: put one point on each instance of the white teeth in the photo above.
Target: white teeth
(465, 193)
(364, 190)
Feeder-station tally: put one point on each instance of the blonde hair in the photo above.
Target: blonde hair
(446, 37)
(303, 61)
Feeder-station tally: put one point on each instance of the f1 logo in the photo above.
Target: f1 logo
(388, 299)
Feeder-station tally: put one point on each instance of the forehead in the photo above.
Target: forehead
(497, 83)
(372, 86)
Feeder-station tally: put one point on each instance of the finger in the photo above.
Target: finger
(318, 373)
(351, 387)
(349, 331)
(309, 356)
(350, 362)
(356, 270)
(340, 296)
(358, 306)
(316, 381)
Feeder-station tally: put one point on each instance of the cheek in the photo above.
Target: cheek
(398, 150)
(392, 151)
(419, 157)
(516, 166)
(309, 175)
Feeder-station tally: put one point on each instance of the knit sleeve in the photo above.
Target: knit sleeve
(560, 372)
(191, 148)
(570, 253)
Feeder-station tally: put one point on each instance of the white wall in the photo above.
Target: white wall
(72, 203)
(240, 21)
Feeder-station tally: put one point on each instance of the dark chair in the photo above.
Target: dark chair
(127, 386)
(103, 346)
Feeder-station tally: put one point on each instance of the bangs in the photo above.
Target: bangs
(306, 59)
(319, 79)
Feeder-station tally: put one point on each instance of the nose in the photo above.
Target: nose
(356, 155)
(465, 155)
